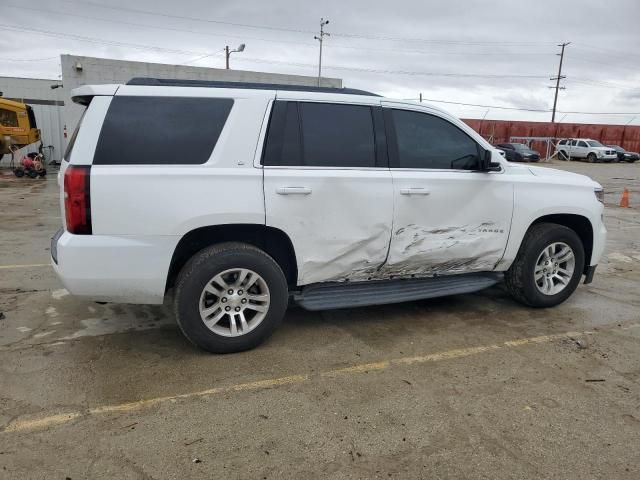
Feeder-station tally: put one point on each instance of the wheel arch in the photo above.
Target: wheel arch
(579, 224)
(271, 240)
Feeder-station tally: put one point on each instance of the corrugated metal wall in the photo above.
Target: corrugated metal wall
(499, 131)
(47, 106)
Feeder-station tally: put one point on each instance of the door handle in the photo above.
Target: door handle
(293, 190)
(414, 191)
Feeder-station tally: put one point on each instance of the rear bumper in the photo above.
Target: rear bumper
(123, 269)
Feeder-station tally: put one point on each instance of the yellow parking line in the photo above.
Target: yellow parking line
(31, 423)
(32, 265)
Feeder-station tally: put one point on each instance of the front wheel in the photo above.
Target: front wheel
(548, 267)
(592, 158)
(230, 297)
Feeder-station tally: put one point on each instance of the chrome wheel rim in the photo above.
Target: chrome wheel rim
(234, 302)
(554, 268)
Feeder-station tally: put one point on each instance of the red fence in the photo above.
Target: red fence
(499, 131)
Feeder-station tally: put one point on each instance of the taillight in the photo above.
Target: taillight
(77, 199)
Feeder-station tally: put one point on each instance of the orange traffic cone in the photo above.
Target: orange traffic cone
(624, 201)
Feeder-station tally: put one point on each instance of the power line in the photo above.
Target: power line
(82, 38)
(395, 72)
(537, 110)
(27, 59)
(290, 42)
(294, 30)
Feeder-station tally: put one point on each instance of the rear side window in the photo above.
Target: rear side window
(427, 141)
(161, 130)
(320, 135)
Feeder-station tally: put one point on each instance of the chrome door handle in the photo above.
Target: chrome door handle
(293, 190)
(414, 191)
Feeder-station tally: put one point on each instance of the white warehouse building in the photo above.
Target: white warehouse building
(57, 116)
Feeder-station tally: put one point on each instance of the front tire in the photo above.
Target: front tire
(592, 158)
(230, 297)
(548, 267)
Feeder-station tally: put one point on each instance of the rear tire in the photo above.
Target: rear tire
(562, 155)
(208, 287)
(526, 281)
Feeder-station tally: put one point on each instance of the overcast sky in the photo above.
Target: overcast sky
(487, 52)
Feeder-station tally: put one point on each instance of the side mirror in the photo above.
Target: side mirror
(485, 164)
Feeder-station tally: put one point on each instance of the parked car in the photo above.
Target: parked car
(625, 156)
(585, 149)
(519, 152)
(236, 199)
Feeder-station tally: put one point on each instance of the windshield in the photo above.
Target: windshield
(618, 148)
(593, 143)
(520, 146)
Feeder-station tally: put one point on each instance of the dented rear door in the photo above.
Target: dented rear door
(448, 218)
(327, 185)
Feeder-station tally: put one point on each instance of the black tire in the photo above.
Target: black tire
(519, 279)
(32, 173)
(592, 158)
(562, 155)
(42, 172)
(208, 263)
(18, 172)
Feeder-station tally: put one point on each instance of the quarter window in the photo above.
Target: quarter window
(161, 130)
(427, 141)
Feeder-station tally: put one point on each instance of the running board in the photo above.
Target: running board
(327, 296)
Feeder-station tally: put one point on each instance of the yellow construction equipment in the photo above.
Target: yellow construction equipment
(17, 126)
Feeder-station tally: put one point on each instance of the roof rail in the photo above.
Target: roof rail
(168, 82)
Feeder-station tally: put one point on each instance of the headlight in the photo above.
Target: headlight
(599, 194)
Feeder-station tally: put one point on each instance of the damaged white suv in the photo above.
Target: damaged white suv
(237, 198)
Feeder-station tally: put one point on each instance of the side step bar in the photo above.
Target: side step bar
(327, 296)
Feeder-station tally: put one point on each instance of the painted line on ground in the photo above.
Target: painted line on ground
(32, 265)
(31, 423)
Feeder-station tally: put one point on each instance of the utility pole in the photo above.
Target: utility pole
(323, 22)
(557, 79)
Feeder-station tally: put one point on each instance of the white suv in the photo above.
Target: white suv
(585, 149)
(237, 198)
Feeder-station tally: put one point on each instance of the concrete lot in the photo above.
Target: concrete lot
(472, 386)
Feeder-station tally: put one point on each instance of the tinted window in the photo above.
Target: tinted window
(574, 143)
(337, 135)
(282, 146)
(161, 130)
(593, 143)
(426, 141)
(563, 142)
(582, 144)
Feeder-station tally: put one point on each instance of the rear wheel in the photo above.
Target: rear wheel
(562, 155)
(230, 297)
(548, 267)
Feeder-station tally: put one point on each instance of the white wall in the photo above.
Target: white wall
(47, 107)
(97, 71)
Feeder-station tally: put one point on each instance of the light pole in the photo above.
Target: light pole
(323, 22)
(229, 52)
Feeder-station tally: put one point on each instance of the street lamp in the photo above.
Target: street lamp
(229, 52)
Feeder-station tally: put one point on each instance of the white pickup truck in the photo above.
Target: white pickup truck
(238, 198)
